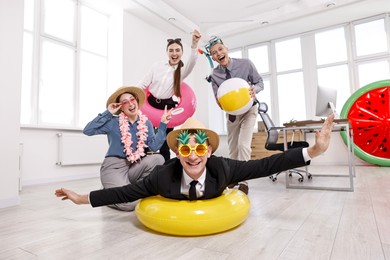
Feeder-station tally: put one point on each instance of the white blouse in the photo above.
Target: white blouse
(160, 77)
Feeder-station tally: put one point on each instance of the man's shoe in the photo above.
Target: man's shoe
(231, 186)
(243, 186)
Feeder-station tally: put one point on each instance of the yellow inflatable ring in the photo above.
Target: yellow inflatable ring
(194, 218)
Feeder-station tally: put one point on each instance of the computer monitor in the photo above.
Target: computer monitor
(326, 101)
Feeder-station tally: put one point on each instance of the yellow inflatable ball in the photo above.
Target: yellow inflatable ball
(194, 218)
(234, 96)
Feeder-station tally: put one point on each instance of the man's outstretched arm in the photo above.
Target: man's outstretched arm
(71, 195)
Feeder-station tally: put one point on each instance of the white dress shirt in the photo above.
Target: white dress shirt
(185, 184)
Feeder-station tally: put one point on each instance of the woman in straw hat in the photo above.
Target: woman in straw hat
(194, 146)
(165, 77)
(128, 132)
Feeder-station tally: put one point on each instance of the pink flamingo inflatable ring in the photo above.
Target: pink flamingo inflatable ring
(185, 108)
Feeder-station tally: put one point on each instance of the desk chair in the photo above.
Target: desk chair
(272, 141)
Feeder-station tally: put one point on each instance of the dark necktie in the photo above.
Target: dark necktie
(232, 118)
(192, 192)
(228, 76)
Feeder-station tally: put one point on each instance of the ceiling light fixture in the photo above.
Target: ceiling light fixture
(331, 4)
(172, 19)
(264, 22)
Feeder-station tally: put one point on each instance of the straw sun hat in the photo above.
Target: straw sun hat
(193, 124)
(135, 91)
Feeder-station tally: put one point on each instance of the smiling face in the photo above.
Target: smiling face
(174, 52)
(194, 165)
(129, 104)
(220, 54)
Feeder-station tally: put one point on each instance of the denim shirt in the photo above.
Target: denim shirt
(108, 124)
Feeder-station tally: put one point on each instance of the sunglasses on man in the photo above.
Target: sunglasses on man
(185, 150)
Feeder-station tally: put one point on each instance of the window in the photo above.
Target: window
(265, 95)
(65, 63)
(336, 77)
(332, 67)
(373, 71)
(291, 97)
(93, 64)
(56, 91)
(28, 43)
(370, 37)
(58, 19)
(290, 87)
(372, 53)
(235, 54)
(259, 56)
(331, 46)
(288, 55)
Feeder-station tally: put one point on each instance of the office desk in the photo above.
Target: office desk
(310, 126)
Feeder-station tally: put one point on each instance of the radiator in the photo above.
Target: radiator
(79, 149)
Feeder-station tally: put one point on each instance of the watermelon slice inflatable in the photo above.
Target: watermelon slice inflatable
(368, 111)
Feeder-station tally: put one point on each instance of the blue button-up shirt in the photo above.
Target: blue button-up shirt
(108, 124)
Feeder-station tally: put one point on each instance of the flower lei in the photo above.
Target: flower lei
(126, 137)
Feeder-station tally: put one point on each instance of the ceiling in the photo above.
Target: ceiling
(228, 18)
(222, 16)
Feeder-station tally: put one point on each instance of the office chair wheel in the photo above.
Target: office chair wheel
(300, 179)
(309, 176)
(273, 178)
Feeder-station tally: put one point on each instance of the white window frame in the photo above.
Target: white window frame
(309, 67)
(38, 36)
(357, 60)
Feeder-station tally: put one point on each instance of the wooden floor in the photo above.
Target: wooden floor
(282, 224)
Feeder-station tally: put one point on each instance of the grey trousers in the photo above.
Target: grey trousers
(116, 172)
(240, 134)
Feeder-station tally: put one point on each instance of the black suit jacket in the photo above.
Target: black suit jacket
(165, 180)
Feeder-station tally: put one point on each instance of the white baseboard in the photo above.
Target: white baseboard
(10, 202)
(58, 179)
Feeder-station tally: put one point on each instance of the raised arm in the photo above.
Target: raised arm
(195, 39)
(322, 138)
(100, 124)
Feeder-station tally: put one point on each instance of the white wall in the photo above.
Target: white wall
(40, 157)
(11, 45)
(142, 46)
(115, 50)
